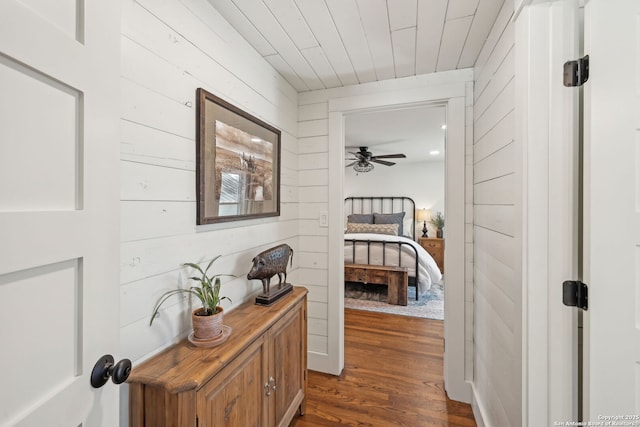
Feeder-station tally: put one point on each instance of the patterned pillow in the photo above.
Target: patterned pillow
(395, 218)
(391, 229)
(360, 218)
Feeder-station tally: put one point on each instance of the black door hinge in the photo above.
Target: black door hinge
(575, 294)
(576, 73)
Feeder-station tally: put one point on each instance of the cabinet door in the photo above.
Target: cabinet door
(288, 358)
(237, 396)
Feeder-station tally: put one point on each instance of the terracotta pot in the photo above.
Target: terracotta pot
(207, 327)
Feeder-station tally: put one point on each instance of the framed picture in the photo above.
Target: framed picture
(237, 163)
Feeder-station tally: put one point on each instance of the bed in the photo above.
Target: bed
(381, 231)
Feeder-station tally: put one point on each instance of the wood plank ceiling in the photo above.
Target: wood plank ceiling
(318, 44)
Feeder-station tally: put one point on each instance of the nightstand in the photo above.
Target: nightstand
(435, 247)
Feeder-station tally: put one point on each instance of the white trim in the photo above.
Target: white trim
(479, 411)
(451, 94)
(454, 256)
(336, 249)
(322, 362)
(545, 126)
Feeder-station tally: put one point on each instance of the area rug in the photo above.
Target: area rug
(372, 298)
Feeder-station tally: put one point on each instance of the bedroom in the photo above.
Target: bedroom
(406, 147)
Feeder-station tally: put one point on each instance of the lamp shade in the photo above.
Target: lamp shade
(424, 215)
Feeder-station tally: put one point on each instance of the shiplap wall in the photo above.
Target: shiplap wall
(169, 49)
(498, 305)
(313, 164)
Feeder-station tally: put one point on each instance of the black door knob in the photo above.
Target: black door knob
(104, 368)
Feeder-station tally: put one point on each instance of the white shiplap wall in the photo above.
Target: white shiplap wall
(169, 49)
(497, 260)
(313, 164)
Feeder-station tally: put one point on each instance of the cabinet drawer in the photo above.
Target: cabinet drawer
(432, 245)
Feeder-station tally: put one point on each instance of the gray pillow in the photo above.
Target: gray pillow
(395, 218)
(360, 218)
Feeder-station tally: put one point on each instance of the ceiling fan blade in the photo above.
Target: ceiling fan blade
(351, 164)
(390, 156)
(382, 162)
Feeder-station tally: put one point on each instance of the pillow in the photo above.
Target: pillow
(395, 218)
(407, 226)
(360, 218)
(391, 229)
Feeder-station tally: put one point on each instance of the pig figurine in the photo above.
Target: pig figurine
(269, 263)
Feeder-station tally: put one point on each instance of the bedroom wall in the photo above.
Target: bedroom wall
(423, 182)
(168, 50)
(497, 220)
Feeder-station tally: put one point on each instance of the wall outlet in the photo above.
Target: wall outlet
(324, 219)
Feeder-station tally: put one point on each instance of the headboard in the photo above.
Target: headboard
(383, 205)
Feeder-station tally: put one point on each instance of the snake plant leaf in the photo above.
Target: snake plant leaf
(164, 297)
(207, 290)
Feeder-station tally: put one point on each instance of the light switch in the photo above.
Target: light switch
(324, 219)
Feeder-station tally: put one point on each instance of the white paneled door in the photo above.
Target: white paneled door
(59, 210)
(612, 211)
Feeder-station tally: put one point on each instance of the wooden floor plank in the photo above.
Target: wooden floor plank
(393, 376)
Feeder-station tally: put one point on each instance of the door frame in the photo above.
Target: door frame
(547, 126)
(456, 96)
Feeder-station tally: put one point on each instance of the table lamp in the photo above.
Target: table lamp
(424, 215)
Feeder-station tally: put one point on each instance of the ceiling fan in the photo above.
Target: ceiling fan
(362, 162)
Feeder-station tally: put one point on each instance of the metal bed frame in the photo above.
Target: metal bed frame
(384, 205)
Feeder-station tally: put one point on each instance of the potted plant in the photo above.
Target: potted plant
(438, 222)
(206, 320)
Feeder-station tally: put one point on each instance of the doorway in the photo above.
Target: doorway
(392, 154)
(451, 95)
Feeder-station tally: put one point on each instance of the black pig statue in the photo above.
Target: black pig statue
(269, 263)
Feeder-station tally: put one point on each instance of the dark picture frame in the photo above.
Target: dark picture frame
(237, 163)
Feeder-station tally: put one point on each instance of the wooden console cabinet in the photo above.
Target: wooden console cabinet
(258, 377)
(396, 279)
(435, 247)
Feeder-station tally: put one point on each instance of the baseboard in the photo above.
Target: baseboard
(478, 409)
(321, 362)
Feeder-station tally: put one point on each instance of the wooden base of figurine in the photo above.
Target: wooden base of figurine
(275, 293)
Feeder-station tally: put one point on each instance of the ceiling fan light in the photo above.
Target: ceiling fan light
(363, 167)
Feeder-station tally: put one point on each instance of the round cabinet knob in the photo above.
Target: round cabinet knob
(105, 368)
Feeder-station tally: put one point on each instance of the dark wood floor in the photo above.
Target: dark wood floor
(392, 377)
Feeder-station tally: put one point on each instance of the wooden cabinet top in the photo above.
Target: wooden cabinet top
(185, 367)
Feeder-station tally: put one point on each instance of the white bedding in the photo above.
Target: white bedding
(428, 269)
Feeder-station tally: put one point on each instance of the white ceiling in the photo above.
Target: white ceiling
(414, 132)
(318, 44)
